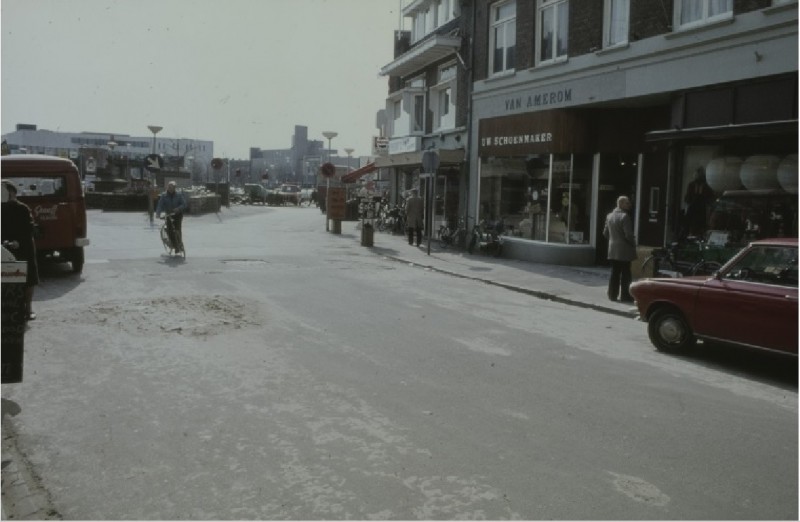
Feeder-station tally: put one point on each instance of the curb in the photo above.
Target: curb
(630, 314)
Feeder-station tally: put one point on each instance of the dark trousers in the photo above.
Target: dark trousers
(620, 281)
(411, 232)
(174, 223)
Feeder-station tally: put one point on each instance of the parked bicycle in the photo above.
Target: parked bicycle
(679, 259)
(392, 219)
(487, 237)
(449, 235)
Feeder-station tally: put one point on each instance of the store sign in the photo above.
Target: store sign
(404, 144)
(337, 203)
(543, 132)
(380, 146)
(538, 99)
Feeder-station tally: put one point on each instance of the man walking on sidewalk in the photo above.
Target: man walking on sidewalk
(414, 217)
(621, 250)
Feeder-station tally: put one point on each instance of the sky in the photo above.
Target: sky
(240, 73)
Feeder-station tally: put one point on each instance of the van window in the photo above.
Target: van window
(43, 186)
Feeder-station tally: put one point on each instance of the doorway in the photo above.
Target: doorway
(618, 174)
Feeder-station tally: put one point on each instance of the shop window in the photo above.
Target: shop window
(693, 13)
(616, 22)
(540, 197)
(503, 37)
(553, 17)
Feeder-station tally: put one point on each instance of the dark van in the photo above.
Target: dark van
(52, 188)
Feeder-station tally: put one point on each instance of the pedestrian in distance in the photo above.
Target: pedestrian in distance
(18, 230)
(618, 230)
(173, 203)
(414, 210)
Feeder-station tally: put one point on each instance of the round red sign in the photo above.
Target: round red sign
(328, 170)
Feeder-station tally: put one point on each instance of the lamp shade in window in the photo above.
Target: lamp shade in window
(787, 173)
(760, 172)
(723, 174)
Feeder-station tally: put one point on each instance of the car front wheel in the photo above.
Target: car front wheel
(669, 331)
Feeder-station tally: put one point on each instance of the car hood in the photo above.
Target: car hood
(691, 281)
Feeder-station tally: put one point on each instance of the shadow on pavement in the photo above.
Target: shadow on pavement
(769, 368)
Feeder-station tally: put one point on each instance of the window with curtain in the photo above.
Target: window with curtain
(503, 36)
(553, 16)
(691, 13)
(419, 113)
(616, 22)
(443, 101)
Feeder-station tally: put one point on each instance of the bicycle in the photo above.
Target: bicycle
(668, 262)
(449, 236)
(487, 237)
(178, 248)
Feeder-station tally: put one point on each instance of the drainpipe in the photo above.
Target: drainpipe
(470, 76)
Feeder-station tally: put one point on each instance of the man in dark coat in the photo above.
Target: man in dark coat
(621, 250)
(17, 229)
(699, 197)
(414, 217)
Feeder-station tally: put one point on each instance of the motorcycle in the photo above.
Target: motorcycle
(487, 237)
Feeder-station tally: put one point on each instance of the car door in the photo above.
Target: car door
(754, 301)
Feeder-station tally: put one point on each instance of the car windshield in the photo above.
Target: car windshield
(768, 264)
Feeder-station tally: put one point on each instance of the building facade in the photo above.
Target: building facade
(427, 108)
(575, 102)
(117, 154)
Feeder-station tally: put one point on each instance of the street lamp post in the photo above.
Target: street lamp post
(349, 152)
(155, 129)
(330, 135)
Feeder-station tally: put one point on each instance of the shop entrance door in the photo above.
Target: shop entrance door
(618, 173)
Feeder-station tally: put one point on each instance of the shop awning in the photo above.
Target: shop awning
(446, 157)
(351, 177)
(725, 131)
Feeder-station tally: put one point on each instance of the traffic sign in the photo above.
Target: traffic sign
(430, 161)
(154, 163)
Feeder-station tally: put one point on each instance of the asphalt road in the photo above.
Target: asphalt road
(282, 372)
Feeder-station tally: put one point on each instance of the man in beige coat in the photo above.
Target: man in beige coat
(414, 211)
(621, 250)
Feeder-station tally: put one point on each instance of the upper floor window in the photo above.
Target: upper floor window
(414, 99)
(689, 13)
(431, 15)
(616, 22)
(553, 16)
(447, 10)
(443, 98)
(503, 36)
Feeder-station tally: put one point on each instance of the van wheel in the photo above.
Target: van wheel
(76, 257)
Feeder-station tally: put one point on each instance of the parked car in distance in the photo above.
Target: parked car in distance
(290, 193)
(255, 193)
(52, 189)
(751, 301)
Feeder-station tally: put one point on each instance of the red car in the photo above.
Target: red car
(751, 301)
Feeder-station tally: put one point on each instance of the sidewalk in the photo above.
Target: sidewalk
(583, 286)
